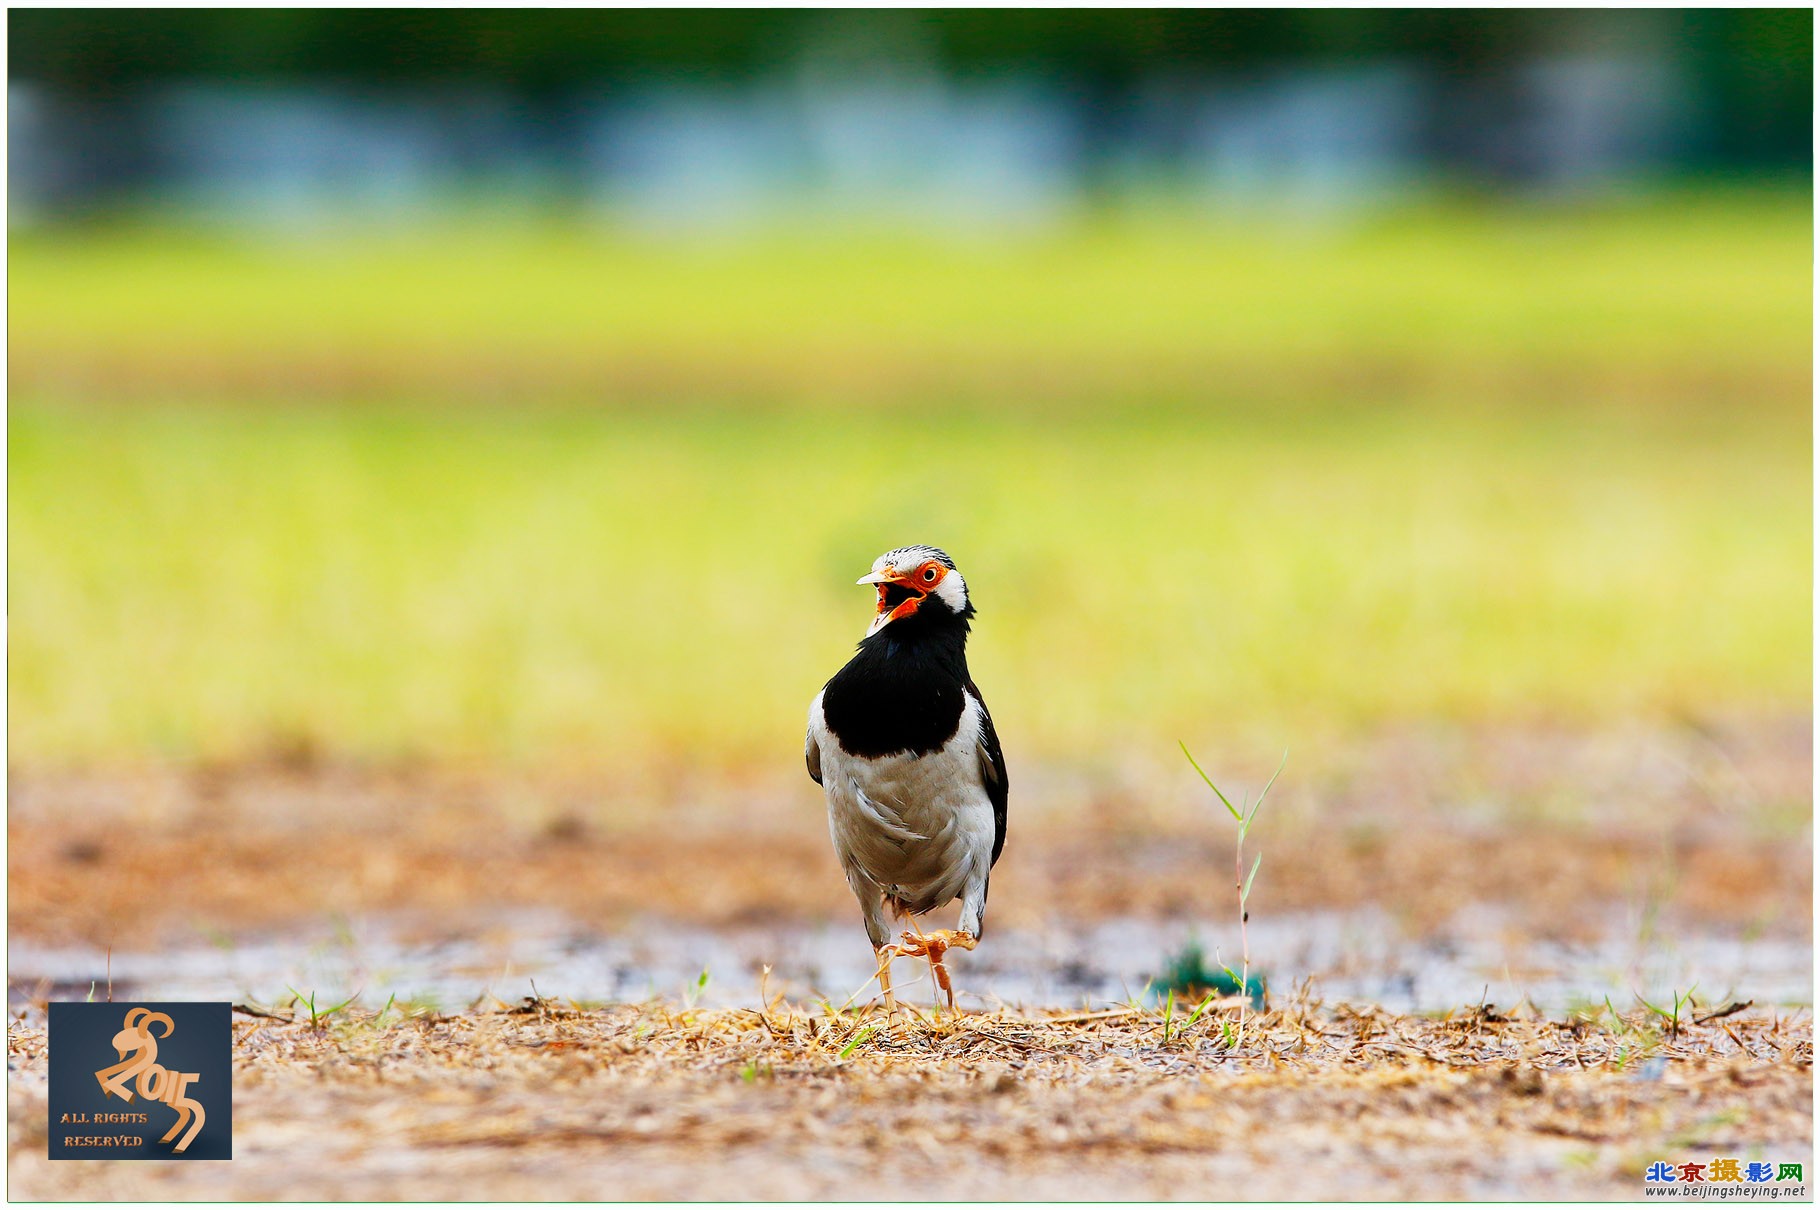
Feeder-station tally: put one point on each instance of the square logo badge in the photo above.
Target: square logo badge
(141, 1081)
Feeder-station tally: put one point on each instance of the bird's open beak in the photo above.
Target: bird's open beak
(897, 597)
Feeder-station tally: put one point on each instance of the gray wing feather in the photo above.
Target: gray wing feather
(812, 756)
(992, 772)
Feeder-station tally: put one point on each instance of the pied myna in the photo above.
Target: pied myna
(902, 746)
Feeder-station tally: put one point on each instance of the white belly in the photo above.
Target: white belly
(919, 829)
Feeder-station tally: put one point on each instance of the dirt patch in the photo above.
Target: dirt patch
(68, 884)
(654, 1101)
(1548, 825)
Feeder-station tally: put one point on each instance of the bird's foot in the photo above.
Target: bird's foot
(900, 1013)
(934, 946)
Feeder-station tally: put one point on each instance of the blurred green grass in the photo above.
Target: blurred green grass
(1570, 481)
(1668, 298)
(609, 587)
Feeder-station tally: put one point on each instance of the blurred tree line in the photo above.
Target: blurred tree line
(1752, 67)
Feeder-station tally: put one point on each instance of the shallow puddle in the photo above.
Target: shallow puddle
(1360, 957)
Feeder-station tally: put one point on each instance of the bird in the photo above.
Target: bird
(903, 747)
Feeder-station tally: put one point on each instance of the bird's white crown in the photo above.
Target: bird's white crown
(952, 589)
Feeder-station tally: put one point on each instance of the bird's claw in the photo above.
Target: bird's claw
(934, 945)
(919, 947)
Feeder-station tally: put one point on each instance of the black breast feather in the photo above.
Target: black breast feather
(900, 692)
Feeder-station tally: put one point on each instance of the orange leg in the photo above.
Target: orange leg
(885, 953)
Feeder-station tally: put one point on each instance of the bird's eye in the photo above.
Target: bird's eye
(929, 575)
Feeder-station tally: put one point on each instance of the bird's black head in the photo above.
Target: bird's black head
(918, 587)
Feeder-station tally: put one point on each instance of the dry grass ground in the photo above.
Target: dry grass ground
(656, 1102)
(1708, 827)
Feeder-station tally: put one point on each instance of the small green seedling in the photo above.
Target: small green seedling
(692, 996)
(1244, 816)
(1673, 1018)
(318, 1016)
(1196, 1014)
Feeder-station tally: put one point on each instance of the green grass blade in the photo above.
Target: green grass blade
(1267, 785)
(860, 1035)
(1197, 768)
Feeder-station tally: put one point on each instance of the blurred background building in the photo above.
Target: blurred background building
(955, 118)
